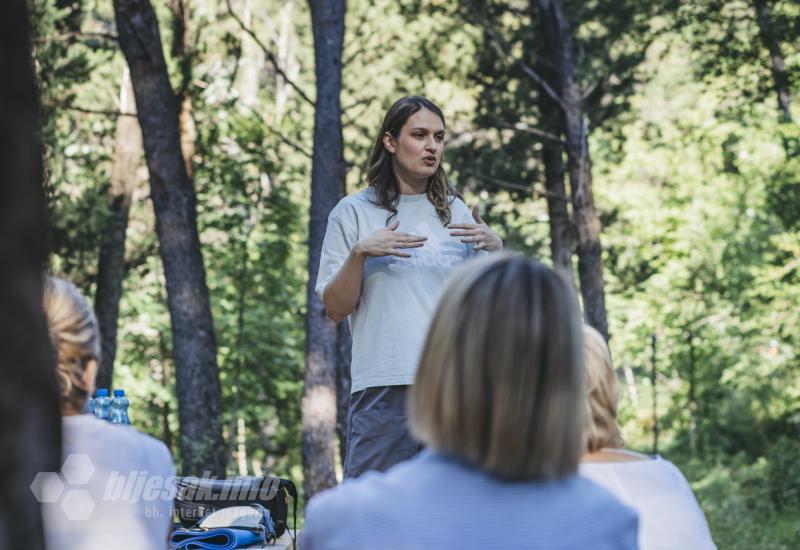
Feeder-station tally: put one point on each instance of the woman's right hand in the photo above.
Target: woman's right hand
(388, 242)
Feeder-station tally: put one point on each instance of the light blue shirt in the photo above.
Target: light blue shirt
(437, 502)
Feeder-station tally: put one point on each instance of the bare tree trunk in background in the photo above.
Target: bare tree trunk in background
(111, 265)
(587, 224)
(777, 62)
(344, 356)
(557, 208)
(250, 63)
(692, 394)
(344, 344)
(180, 50)
(285, 60)
(30, 421)
(327, 175)
(174, 201)
(556, 190)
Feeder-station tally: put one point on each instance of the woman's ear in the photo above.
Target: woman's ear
(89, 375)
(389, 142)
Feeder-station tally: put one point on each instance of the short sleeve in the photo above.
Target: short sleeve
(340, 238)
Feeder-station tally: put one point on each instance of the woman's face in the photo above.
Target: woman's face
(417, 151)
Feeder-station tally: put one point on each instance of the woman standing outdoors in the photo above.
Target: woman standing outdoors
(386, 254)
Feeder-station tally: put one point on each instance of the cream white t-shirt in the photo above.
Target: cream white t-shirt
(669, 516)
(398, 295)
(118, 488)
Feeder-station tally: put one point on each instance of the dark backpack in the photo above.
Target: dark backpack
(197, 497)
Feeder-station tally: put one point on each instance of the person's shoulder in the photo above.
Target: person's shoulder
(132, 442)
(597, 500)
(459, 211)
(348, 207)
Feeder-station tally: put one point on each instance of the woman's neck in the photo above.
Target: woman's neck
(613, 455)
(408, 185)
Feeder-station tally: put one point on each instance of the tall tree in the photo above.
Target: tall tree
(552, 121)
(766, 29)
(111, 264)
(174, 202)
(30, 423)
(327, 175)
(569, 95)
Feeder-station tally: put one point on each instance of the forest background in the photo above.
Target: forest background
(675, 116)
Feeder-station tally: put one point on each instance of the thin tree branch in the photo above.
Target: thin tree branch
(513, 186)
(521, 127)
(89, 111)
(294, 145)
(269, 55)
(64, 37)
(504, 49)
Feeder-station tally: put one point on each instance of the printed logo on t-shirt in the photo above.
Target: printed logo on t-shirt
(435, 252)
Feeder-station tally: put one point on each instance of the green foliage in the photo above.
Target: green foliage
(696, 182)
(737, 503)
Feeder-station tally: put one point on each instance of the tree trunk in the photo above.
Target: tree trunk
(779, 73)
(344, 344)
(180, 50)
(174, 202)
(327, 175)
(111, 265)
(692, 395)
(557, 209)
(587, 224)
(30, 422)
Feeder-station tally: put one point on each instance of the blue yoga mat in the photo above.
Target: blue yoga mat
(214, 539)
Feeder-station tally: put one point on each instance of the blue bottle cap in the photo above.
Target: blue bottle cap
(102, 392)
(119, 393)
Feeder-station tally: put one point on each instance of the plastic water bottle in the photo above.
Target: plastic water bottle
(88, 408)
(118, 413)
(102, 403)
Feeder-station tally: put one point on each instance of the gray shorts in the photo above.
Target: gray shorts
(378, 436)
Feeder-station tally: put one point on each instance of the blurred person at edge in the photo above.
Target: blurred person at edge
(110, 506)
(671, 518)
(498, 402)
(386, 254)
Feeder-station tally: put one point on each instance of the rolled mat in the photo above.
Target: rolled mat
(214, 539)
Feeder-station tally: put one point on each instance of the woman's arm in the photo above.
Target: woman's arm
(343, 292)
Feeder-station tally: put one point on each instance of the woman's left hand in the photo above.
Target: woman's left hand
(478, 233)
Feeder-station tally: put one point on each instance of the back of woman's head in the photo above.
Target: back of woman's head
(75, 337)
(602, 394)
(500, 381)
(380, 172)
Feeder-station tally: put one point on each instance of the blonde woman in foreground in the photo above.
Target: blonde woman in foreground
(498, 402)
(669, 513)
(119, 480)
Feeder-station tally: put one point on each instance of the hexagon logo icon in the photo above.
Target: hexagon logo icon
(47, 487)
(78, 469)
(78, 505)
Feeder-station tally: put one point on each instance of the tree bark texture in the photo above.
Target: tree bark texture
(552, 120)
(780, 75)
(181, 51)
(344, 344)
(174, 202)
(557, 208)
(327, 174)
(111, 266)
(587, 224)
(30, 421)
